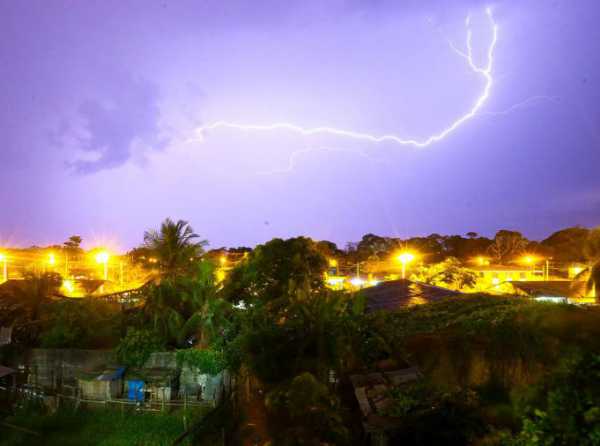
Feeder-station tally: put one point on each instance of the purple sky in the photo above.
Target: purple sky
(99, 102)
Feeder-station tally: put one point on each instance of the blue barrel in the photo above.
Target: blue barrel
(135, 390)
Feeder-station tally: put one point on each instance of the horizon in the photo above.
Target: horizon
(113, 246)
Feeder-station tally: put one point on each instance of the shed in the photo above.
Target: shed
(101, 385)
(157, 384)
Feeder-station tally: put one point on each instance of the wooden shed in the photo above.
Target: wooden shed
(101, 385)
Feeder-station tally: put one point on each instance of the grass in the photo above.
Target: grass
(95, 427)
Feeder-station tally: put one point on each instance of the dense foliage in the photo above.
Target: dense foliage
(137, 346)
(564, 408)
(203, 361)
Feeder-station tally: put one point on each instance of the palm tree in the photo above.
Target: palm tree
(183, 307)
(175, 246)
(25, 304)
(591, 274)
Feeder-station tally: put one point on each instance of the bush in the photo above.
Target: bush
(565, 408)
(80, 324)
(207, 361)
(137, 346)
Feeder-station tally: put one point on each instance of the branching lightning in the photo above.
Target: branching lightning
(484, 71)
(298, 153)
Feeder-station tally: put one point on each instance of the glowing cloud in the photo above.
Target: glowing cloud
(485, 71)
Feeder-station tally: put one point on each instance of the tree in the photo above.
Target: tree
(567, 245)
(372, 245)
(185, 310)
(275, 270)
(591, 252)
(72, 247)
(73, 242)
(507, 245)
(306, 412)
(175, 246)
(448, 274)
(137, 346)
(24, 301)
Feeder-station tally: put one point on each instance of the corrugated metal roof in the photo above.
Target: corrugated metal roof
(397, 294)
(111, 375)
(5, 371)
(551, 288)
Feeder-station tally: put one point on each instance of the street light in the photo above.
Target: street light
(405, 258)
(5, 268)
(102, 258)
(529, 260)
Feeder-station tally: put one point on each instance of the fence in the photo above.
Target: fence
(54, 399)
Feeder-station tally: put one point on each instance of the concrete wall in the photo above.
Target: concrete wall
(162, 360)
(53, 368)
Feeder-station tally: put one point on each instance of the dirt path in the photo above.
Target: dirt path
(254, 431)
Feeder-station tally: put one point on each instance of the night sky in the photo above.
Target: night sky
(101, 102)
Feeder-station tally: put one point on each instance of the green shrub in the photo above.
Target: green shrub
(206, 361)
(137, 346)
(565, 408)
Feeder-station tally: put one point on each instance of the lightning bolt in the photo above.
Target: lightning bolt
(523, 104)
(298, 153)
(485, 71)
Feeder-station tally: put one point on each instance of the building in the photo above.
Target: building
(568, 291)
(396, 294)
(492, 275)
(106, 385)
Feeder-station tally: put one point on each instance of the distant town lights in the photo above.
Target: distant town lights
(483, 261)
(357, 282)
(68, 286)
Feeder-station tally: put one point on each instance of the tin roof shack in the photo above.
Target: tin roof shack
(159, 384)
(202, 386)
(55, 369)
(102, 385)
(372, 392)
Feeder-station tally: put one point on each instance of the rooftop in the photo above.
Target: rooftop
(397, 294)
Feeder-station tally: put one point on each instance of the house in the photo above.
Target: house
(571, 291)
(492, 275)
(395, 294)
